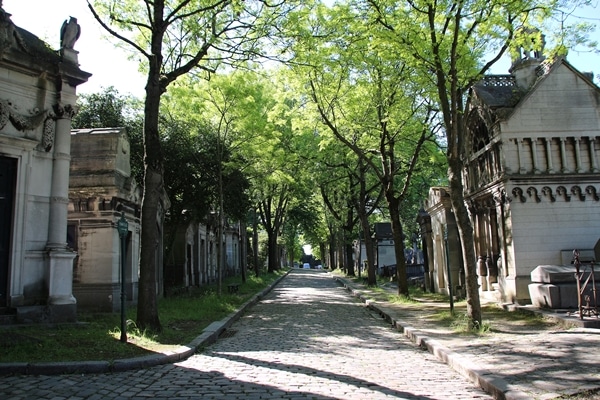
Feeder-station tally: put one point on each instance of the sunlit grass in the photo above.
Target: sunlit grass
(400, 299)
(494, 317)
(96, 336)
(460, 323)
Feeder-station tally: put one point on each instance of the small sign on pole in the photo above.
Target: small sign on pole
(123, 229)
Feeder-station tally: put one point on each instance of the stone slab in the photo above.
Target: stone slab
(558, 274)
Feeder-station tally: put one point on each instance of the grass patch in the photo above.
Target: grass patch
(400, 299)
(379, 291)
(96, 336)
(493, 316)
(592, 394)
(461, 324)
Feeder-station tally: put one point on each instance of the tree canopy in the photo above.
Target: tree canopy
(292, 109)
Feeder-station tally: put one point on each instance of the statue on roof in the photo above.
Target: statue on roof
(529, 44)
(69, 33)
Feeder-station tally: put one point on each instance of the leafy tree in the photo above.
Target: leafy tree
(110, 109)
(235, 106)
(280, 178)
(339, 183)
(175, 38)
(448, 42)
(369, 100)
(107, 109)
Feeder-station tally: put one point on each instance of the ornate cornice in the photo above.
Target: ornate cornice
(533, 193)
(547, 191)
(549, 194)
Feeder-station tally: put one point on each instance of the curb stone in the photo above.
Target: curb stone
(492, 384)
(209, 335)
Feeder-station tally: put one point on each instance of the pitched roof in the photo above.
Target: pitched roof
(498, 91)
(502, 94)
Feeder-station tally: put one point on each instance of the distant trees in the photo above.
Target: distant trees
(368, 99)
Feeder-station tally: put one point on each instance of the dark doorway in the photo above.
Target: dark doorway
(8, 175)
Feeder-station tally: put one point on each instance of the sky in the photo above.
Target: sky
(111, 66)
(108, 64)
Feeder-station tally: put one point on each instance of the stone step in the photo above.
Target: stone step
(8, 319)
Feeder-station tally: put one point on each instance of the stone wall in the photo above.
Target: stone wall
(37, 102)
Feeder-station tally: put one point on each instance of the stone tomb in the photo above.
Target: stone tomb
(555, 286)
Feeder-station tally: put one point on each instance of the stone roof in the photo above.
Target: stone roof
(25, 47)
(498, 91)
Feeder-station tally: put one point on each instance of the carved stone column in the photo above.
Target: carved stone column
(592, 140)
(534, 156)
(59, 201)
(563, 155)
(577, 154)
(59, 275)
(549, 155)
(520, 155)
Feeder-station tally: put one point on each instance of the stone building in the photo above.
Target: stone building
(441, 244)
(37, 101)
(530, 176)
(193, 261)
(101, 190)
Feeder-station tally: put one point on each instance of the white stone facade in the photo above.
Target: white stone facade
(531, 177)
(441, 244)
(37, 101)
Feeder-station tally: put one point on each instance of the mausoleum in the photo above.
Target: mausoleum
(531, 173)
(37, 101)
(101, 191)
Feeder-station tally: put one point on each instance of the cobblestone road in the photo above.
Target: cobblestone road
(307, 339)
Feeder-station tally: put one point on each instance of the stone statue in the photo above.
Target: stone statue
(9, 36)
(69, 33)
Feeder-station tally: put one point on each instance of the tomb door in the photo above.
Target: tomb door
(8, 175)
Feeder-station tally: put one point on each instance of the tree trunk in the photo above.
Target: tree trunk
(243, 257)
(371, 273)
(255, 244)
(221, 223)
(332, 264)
(219, 248)
(339, 251)
(273, 252)
(398, 235)
(147, 307)
(465, 229)
(349, 259)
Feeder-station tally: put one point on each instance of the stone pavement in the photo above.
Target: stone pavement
(308, 338)
(515, 361)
